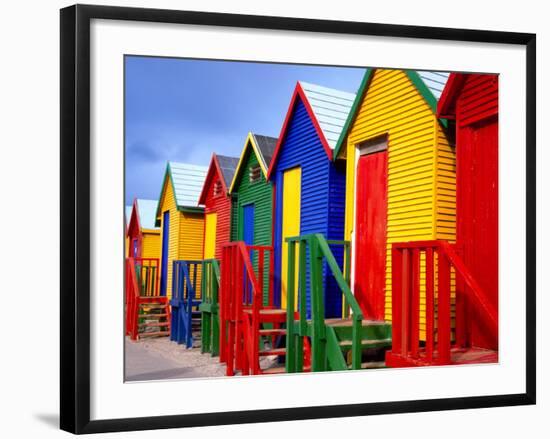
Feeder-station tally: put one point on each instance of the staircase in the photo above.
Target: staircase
(185, 301)
(252, 328)
(440, 260)
(336, 344)
(147, 313)
(209, 307)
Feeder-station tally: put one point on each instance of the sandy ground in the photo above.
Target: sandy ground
(161, 359)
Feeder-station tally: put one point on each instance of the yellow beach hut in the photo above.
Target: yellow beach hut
(143, 235)
(181, 219)
(127, 215)
(400, 179)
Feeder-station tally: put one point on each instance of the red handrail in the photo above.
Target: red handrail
(474, 291)
(149, 287)
(242, 289)
(406, 279)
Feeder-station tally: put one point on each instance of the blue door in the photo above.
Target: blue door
(248, 224)
(165, 241)
(248, 238)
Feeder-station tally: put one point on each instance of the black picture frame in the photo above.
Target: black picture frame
(75, 217)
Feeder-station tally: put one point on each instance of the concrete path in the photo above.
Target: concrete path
(161, 359)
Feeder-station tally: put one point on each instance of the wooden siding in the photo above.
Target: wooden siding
(420, 165)
(191, 239)
(302, 147)
(150, 244)
(478, 99)
(260, 193)
(476, 114)
(168, 203)
(221, 205)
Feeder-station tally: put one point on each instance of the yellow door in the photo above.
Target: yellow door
(292, 185)
(210, 236)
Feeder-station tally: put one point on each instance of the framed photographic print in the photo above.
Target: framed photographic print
(268, 218)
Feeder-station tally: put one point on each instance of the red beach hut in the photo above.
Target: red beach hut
(471, 101)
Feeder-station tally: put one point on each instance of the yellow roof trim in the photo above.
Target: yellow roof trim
(249, 139)
(153, 231)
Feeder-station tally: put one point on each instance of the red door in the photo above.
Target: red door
(370, 233)
(477, 216)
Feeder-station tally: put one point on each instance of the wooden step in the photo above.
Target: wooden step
(268, 311)
(154, 324)
(151, 316)
(272, 331)
(277, 351)
(153, 305)
(154, 334)
(366, 344)
(349, 322)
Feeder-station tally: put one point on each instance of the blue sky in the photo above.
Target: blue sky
(184, 110)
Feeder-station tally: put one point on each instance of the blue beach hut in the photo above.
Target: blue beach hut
(309, 185)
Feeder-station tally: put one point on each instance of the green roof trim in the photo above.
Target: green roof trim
(352, 112)
(417, 81)
(189, 209)
(166, 175)
(425, 92)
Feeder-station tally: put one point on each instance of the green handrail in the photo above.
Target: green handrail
(210, 328)
(319, 250)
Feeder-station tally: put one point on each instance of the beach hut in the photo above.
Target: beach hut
(309, 186)
(181, 219)
(217, 204)
(143, 235)
(252, 194)
(400, 179)
(471, 102)
(127, 214)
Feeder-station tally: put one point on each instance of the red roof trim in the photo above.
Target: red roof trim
(450, 93)
(133, 215)
(298, 93)
(214, 164)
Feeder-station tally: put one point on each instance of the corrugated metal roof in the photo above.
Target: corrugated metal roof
(188, 180)
(227, 166)
(127, 214)
(146, 210)
(331, 108)
(435, 81)
(266, 145)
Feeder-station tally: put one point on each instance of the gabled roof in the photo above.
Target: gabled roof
(127, 214)
(328, 110)
(186, 181)
(146, 210)
(263, 147)
(142, 215)
(222, 165)
(445, 106)
(227, 167)
(428, 84)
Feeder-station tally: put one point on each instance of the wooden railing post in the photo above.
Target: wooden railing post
(302, 305)
(405, 302)
(290, 364)
(317, 307)
(415, 303)
(444, 309)
(397, 310)
(429, 303)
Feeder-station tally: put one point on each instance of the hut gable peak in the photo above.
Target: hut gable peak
(328, 110)
(429, 84)
(186, 181)
(219, 176)
(263, 147)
